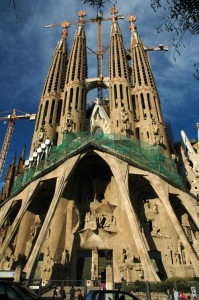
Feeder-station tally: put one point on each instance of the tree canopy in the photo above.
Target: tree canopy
(181, 16)
(97, 3)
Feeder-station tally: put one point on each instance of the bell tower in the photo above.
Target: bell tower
(121, 110)
(74, 108)
(50, 106)
(150, 126)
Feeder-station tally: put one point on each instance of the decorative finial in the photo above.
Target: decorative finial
(114, 12)
(65, 25)
(132, 19)
(81, 15)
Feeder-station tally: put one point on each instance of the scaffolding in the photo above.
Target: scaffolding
(135, 152)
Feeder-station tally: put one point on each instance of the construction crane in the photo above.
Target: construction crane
(11, 118)
(100, 51)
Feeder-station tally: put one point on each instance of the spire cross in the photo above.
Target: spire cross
(114, 12)
(132, 20)
(65, 25)
(81, 15)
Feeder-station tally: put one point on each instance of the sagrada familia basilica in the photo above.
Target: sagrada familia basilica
(102, 194)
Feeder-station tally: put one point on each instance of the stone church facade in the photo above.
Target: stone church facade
(100, 196)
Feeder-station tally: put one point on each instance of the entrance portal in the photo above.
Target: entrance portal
(91, 264)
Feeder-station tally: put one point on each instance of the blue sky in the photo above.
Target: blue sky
(26, 49)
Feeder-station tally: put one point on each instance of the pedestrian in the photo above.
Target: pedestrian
(182, 296)
(175, 294)
(63, 293)
(55, 293)
(72, 293)
(79, 295)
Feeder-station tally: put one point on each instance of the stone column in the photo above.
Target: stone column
(109, 277)
(69, 225)
(18, 272)
(94, 264)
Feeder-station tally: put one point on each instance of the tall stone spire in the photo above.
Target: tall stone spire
(20, 165)
(74, 107)
(50, 107)
(9, 180)
(121, 113)
(148, 115)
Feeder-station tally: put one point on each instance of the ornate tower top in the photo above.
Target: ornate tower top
(148, 115)
(81, 15)
(114, 12)
(65, 25)
(132, 20)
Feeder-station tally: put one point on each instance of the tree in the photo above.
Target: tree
(182, 16)
(97, 3)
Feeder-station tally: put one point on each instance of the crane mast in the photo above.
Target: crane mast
(9, 132)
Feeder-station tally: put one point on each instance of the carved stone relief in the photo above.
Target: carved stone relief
(101, 217)
(33, 234)
(176, 255)
(129, 266)
(48, 263)
(156, 136)
(7, 261)
(69, 122)
(125, 124)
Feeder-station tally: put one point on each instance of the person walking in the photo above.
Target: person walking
(72, 293)
(55, 293)
(175, 294)
(79, 295)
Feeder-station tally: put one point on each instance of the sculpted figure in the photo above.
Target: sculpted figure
(47, 266)
(65, 257)
(7, 261)
(69, 122)
(157, 137)
(2, 234)
(124, 120)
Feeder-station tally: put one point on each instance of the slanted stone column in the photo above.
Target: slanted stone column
(162, 190)
(26, 195)
(120, 172)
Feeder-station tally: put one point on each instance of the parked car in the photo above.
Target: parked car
(110, 295)
(10, 290)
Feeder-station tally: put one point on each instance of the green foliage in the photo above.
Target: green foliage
(180, 16)
(184, 285)
(95, 3)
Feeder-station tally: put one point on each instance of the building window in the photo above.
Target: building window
(51, 112)
(45, 113)
(59, 108)
(64, 107)
(142, 100)
(121, 91)
(77, 97)
(38, 118)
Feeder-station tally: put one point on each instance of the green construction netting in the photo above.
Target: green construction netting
(134, 151)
